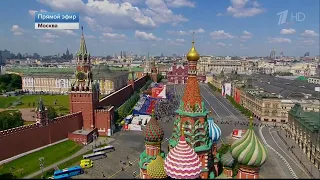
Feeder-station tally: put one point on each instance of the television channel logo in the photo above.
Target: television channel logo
(295, 17)
(56, 20)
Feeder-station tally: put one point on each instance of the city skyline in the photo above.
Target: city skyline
(236, 27)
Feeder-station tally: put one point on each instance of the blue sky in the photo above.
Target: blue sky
(222, 27)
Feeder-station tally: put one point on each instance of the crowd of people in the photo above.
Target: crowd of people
(165, 108)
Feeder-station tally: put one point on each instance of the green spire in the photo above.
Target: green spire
(148, 57)
(83, 47)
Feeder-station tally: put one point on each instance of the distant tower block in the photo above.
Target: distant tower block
(41, 114)
(154, 72)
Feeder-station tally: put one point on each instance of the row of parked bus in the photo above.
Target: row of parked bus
(86, 162)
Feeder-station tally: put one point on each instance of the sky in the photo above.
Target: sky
(222, 27)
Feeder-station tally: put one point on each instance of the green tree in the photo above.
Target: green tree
(52, 113)
(10, 82)
(7, 176)
(10, 119)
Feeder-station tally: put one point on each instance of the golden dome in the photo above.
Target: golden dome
(156, 168)
(193, 55)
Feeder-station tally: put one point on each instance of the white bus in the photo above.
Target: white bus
(95, 156)
(104, 148)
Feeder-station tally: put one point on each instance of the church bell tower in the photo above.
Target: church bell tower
(84, 92)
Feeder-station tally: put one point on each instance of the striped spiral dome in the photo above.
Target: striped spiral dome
(248, 150)
(156, 168)
(227, 160)
(182, 162)
(153, 131)
(214, 130)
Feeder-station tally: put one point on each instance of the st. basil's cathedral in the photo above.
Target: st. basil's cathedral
(192, 150)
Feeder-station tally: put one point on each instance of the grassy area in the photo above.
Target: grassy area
(27, 101)
(72, 162)
(30, 163)
(5, 102)
(62, 100)
(28, 122)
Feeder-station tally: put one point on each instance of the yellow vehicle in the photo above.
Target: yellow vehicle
(86, 163)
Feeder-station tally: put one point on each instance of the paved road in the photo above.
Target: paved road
(289, 164)
(278, 163)
(81, 151)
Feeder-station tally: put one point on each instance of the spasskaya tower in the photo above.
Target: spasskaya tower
(84, 92)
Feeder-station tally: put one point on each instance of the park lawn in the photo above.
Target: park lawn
(72, 162)
(28, 164)
(5, 102)
(28, 122)
(62, 100)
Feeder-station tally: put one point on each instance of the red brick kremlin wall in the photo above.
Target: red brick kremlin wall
(120, 96)
(26, 138)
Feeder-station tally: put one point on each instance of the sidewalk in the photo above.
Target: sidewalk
(81, 151)
(299, 155)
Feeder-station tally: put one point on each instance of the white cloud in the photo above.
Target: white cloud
(200, 30)
(119, 15)
(95, 26)
(288, 31)
(143, 36)
(219, 14)
(48, 38)
(220, 44)
(180, 3)
(182, 33)
(239, 8)
(32, 12)
(279, 40)
(122, 14)
(246, 36)
(309, 33)
(16, 30)
(114, 36)
(175, 42)
(220, 34)
(308, 42)
(160, 13)
(89, 37)
(64, 32)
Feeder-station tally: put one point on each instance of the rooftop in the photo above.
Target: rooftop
(310, 120)
(285, 87)
(81, 132)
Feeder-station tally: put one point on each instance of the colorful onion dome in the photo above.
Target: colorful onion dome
(156, 168)
(214, 130)
(182, 162)
(248, 150)
(153, 131)
(227, 160)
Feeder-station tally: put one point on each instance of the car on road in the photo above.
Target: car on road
(86, 163)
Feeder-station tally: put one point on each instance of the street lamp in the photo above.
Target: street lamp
(94, 136)
(41, 163)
